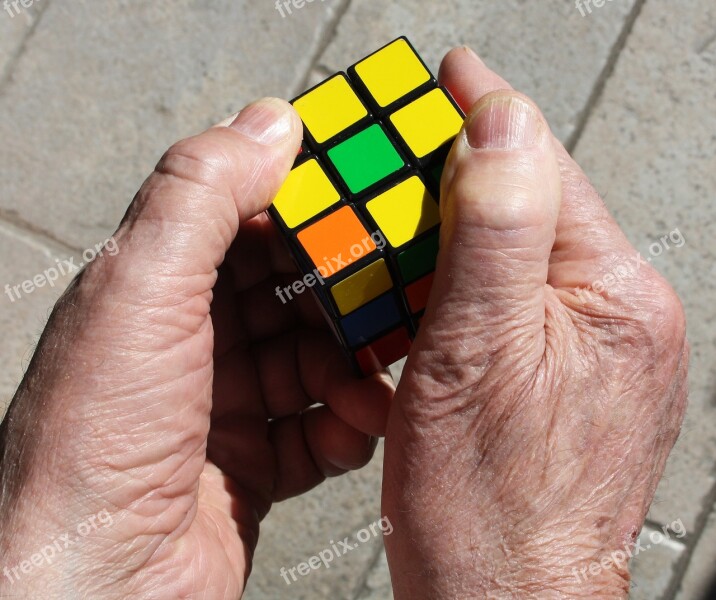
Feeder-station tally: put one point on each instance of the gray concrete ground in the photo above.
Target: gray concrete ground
(92, 92)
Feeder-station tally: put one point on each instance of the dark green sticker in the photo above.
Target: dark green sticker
(419, 259)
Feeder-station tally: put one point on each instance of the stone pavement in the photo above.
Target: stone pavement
(91, 93)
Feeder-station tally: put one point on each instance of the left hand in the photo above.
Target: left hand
(171, 351)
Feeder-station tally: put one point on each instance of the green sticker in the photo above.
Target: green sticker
(419, 260)
(365, 158)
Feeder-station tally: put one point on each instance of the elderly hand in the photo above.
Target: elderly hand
(542, 396)
(173, 349)
(169, 395)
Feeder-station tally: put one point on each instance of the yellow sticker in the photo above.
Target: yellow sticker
(428, 122)
(392, 72)
(362, 287)
(404, 211)
(330, 108)
(306, 192)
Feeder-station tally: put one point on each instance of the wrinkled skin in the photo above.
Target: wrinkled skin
(172, 388)
(177, 337)
(534, 416)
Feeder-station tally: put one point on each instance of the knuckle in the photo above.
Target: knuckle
(199, 160)
(663, 313)
(652, 330)
(502, 199)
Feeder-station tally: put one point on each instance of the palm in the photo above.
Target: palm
(182, 402)
(271, 363)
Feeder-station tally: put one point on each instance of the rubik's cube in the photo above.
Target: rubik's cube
(359, 209)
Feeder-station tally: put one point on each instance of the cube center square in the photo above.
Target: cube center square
(365, 158)
(330, 108)
(359, 210)
(418, 259)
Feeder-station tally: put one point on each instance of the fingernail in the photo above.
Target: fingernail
(503, 123)
(472, 54)
(227, 121)
(266, 121)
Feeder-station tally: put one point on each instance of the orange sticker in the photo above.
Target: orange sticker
(336, 241)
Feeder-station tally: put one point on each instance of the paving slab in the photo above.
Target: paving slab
(545, 49)
(655, 568)
(15, 25)
(649, 147)
(300, 528)
(102, 89)
(377, 585)
(27, 298)
(700, 577)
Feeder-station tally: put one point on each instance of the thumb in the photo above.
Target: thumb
(187, 213)
(501, 191)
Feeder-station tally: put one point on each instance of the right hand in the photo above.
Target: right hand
(534, 415)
